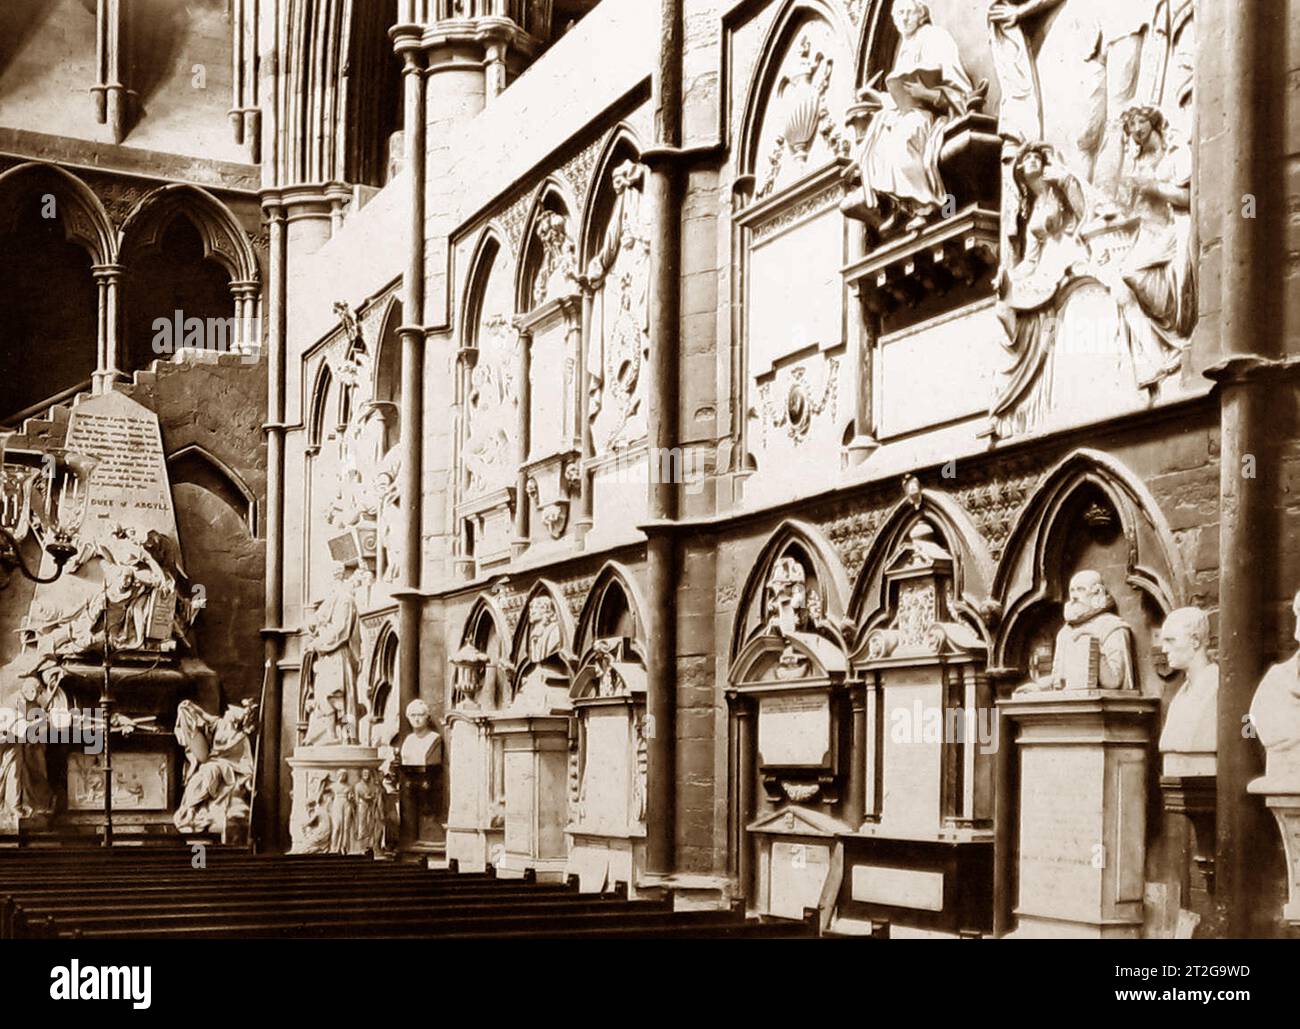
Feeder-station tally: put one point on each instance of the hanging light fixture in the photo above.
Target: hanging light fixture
(48, 501)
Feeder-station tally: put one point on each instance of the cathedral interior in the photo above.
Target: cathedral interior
(819, 467)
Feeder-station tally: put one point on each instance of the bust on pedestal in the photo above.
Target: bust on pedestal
(1188, 744)
(1082, 734)
(421, 765)
(1188, 753)
(1275, 715)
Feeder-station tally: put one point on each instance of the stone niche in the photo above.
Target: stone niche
(790, 739)
(798, 382)
(607, 825)
(930, 749)
(534, 733)
(480, 678)
(550, 338)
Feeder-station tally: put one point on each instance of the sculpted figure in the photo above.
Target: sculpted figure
(368, 801)
(787, 596)
(1189, 741)
(218, 765)
(343, 813)
(313, 836)
(927, 88)
(422, 746)
(620, 333)
(1084, 66)
(29, 696)
(1044, 247)
(333, 639)
(1094, 649)
(1157, 288)
(1275, 714)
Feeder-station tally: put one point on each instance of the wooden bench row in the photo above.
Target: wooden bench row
(98, 894)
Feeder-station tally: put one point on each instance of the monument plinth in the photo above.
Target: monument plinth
(535, 752)
(1081, 847)
(337, 800)
(114, 630)
(608, 820)
(476, 815)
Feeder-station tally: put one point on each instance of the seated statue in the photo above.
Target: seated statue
(1189, 741)
(1094, 649)
(219, 766)
(1275, 714)
(927, 88)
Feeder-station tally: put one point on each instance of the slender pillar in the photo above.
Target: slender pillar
(412, 403)
(110, 90)
(857, 796)
(745, 775)
(523, 440)
(665, 195)
(269, 830)
(1247, 530)
(109, 279)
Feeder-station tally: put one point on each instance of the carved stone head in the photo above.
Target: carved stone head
(910, 16)
(1184, 636)
(1088, 597)
(417, 713)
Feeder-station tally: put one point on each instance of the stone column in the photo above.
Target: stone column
(406, 43)
(271, 828)
(1251, 311)
(664, 192)
(109, 279)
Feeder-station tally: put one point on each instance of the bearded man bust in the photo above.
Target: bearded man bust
(1094, 649)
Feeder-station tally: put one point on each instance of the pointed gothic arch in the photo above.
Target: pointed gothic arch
(622, 144)
(481, 664)
(80, 212)
(196, 464)
(1032, 572)
(223, 237)
(814, 553)
(973, 567)
(781, 37)
(613, 603)
(551, 197)
(543, 638)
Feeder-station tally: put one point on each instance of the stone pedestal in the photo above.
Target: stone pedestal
(476, 817)
(333, 812)
(536, 759)
(1283, 799)
(1189, 803)
(1082, 812)
(421, 790)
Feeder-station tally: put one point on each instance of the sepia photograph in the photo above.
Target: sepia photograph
(649, 470)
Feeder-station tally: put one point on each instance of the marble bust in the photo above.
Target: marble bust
(423, 746)
(1188, 744)
(1275, 714)
(1094, 649)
